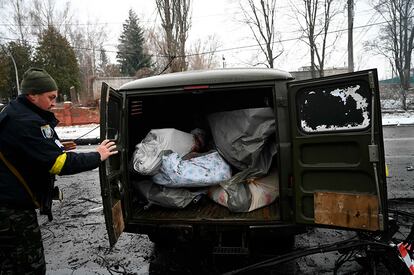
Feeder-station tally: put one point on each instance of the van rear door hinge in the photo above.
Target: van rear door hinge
(371, 80)
(281, 102)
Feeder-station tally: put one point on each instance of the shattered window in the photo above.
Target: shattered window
(337, 108)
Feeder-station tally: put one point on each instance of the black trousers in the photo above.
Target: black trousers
(21, 248)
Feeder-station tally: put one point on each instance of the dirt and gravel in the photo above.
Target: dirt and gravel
(76, 241)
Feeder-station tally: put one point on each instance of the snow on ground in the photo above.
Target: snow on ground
(398, 118)
(91, 131)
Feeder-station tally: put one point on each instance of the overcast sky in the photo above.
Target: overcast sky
(222, 19)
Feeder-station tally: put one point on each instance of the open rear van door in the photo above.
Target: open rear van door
(110, 175)
(338, 152)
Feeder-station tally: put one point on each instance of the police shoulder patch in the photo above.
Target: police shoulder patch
(47, 131)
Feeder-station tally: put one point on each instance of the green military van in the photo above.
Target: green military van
(330, 154)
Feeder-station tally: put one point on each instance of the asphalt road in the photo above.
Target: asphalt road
(399, 154)
(76, 241)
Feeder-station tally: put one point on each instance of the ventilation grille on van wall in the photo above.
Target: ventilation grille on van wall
(135, 108)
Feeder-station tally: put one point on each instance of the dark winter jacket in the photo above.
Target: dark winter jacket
(28, 141)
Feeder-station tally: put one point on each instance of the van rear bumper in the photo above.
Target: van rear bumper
(189, 232)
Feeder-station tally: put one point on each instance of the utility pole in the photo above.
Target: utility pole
(15, 67)
(350, 35)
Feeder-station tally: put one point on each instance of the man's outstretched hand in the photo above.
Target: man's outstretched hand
(106, 149)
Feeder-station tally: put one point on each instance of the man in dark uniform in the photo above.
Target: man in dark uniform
(30, 155)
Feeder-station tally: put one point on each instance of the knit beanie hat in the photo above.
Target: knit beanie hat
(37, 81)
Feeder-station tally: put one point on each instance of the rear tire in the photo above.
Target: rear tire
(163, 240)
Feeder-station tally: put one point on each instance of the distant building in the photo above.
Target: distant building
(305, 72)
(391, 87)
(395, 81)
(114, 82)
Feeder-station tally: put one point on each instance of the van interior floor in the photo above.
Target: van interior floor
(207, 210)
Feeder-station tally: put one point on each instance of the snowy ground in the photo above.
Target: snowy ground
(398, 118)
(91, 131)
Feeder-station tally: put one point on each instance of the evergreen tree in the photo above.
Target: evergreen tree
(131, 55)
(56, 56)
(103, 62)
(5, 69)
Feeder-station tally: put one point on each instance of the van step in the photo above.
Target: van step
(230, 250)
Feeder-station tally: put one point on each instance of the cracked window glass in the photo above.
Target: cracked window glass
(338, 108)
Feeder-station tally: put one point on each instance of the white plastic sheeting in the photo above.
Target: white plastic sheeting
(259, 192)
(201, 171)
(148, 153)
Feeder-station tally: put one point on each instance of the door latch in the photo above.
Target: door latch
(373, 153)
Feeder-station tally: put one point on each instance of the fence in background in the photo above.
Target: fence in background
(69, 115)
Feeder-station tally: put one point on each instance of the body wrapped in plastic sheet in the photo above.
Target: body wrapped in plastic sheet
(165, 196)
(246, 139)
(200, 171)
(148, 153)
(241, 137)
(252, 194)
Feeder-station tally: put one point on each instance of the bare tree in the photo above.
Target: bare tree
(15, 15)
(176, 22)
(260, 17)
(44, 13)
(156, 46)
(203, 54)
(395, 40)
(24, 17)
(87, 43)
(314, 18)
(350, 8)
